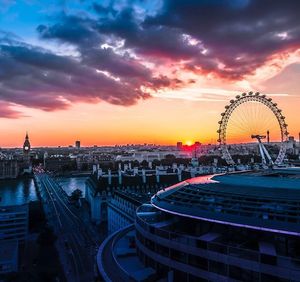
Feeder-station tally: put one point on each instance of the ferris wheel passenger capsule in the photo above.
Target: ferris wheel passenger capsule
(231, 101)
(250, 93)
(244, 94)
(257, 94)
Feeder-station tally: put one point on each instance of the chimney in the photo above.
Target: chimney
(268, 136)
(144, 175)
(120, 176)
(174, 166)
(99, 173)
(179, 174)
(109, 177)
(157, 175)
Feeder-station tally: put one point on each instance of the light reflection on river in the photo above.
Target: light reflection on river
(69, 184)
(17, 191)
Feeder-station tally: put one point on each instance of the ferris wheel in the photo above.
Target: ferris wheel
(253, 116)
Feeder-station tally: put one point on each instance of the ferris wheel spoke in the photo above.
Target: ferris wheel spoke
(250, 114)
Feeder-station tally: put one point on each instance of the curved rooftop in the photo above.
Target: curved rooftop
(264, 200)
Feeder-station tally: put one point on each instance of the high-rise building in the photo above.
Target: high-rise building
(179, 145)
(77, 144)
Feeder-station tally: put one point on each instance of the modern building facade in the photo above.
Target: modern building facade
(14, 223)
(230, 227)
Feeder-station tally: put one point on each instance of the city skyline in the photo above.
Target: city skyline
(119, 72)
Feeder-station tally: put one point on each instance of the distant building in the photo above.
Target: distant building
(179, 145)
(77, 144)
(60, 163)
(9, 169)
(197, 144)
(132, 183)
(100, 187)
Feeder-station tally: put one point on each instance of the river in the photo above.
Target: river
(17, 191)
(22, 190)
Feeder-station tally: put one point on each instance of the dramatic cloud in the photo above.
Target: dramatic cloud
(124, 52)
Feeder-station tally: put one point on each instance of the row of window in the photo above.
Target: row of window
(205, 264)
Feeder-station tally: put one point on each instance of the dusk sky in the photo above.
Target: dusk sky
(118, 72)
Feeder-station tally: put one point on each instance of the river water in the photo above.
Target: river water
(21, 191)
(69, 184)
(17, 191)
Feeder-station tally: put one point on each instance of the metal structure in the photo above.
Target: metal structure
(246, 98)
(262, 149)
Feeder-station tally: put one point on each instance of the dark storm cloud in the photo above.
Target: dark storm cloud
(114, 43)
(241, 34)
(36, 78)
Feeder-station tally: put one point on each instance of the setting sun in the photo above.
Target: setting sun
(189, 143)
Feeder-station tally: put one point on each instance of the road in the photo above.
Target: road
(76, 243)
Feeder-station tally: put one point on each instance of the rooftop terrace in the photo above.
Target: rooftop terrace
(268, 200)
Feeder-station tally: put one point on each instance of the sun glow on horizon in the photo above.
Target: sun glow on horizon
(189, 143)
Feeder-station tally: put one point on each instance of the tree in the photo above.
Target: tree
(76, 195)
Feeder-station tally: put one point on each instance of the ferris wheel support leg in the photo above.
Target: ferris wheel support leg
(261, 150)
(267, 154)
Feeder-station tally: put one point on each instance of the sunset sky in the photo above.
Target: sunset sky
(141, 71)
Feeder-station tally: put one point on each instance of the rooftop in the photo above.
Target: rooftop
(264, 200)
(117, 259)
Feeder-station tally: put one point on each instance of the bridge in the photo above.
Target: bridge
(77, 242)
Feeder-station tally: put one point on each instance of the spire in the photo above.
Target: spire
(26, 137)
